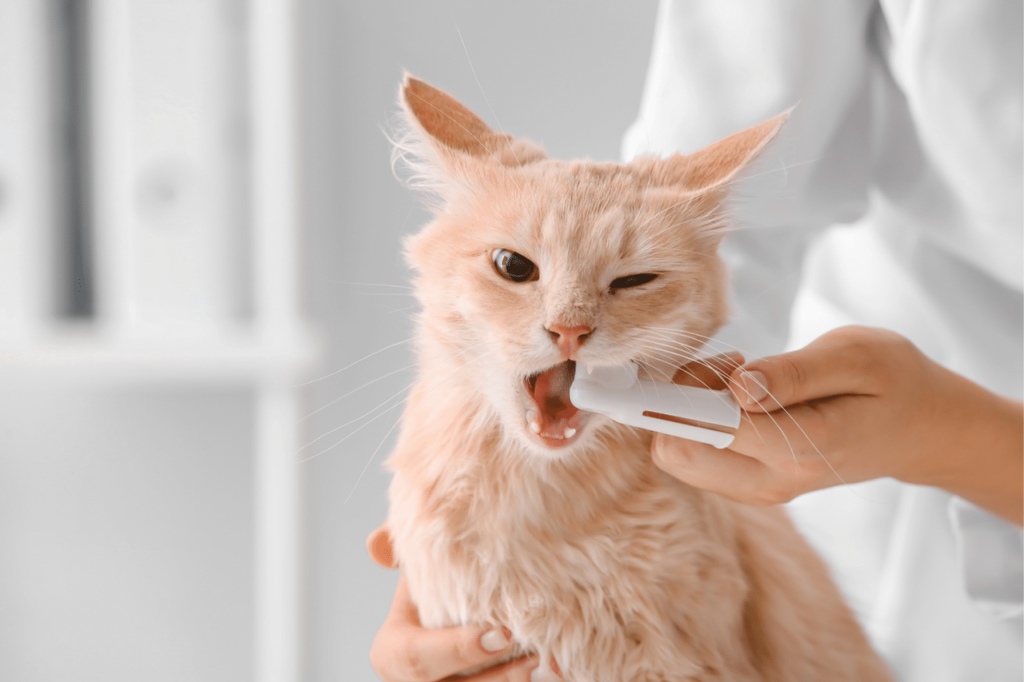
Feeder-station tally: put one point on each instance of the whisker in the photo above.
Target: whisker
(366, 284)
(360, 428)
(386, 401)
(367, 465)
(683, 369)
(353, 364)
(342, 397)
(713, 343)
(786, 412)
(792, 451)
(359, 418)
(384, 293)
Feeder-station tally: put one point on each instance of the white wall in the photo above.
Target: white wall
(567, 74)
(125, 534)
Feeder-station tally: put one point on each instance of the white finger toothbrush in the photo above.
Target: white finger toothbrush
(698, 414)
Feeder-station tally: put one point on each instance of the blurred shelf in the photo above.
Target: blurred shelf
(230, 356)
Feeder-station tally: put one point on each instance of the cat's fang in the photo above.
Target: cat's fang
(569, 433)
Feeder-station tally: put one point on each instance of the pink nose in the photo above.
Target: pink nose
(569, 339)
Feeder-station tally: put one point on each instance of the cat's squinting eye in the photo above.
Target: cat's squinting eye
(513, 266)
(632, 281)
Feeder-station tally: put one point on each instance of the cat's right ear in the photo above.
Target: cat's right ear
(450, 145)
(717, 165)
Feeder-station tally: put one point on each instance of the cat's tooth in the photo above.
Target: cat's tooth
(533, 421)
(590, 369)
(569, 433)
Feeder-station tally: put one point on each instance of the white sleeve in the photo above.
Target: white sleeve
(719, 66)
(991, 552)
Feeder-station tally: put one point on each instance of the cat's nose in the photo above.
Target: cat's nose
(569, 339)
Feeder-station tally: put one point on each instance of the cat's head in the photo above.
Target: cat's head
(534, 268)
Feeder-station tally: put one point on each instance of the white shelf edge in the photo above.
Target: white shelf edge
(221, 358)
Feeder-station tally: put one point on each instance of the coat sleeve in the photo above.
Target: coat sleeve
(719, 66)
(991, 552)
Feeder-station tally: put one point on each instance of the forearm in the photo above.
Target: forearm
(981, 455)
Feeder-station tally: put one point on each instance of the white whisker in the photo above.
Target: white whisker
(353, 364)
(360, 428)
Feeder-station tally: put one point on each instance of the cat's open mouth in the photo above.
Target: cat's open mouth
(552, 416)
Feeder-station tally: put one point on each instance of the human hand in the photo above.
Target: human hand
(405, 651)
(857, 404)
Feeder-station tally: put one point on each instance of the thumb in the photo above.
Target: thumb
(378, 544)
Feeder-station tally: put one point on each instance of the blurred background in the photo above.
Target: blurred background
(204, 309)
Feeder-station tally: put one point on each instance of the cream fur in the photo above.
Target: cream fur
(587, 552)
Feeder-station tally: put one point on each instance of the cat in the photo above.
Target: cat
(508, 506)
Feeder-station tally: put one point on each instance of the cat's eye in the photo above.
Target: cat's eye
(632, 280)
(513, 266)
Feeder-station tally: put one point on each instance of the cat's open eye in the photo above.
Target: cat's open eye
(632, 281)
(513, 266)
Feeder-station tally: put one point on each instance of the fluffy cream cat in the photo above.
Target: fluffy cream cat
(511, 507)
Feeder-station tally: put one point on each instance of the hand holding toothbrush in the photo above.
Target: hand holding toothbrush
(856, 404)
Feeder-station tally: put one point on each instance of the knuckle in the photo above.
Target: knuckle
(793, 374)
(876, 355)
(848, 334)
(670, 453)
(410, 663)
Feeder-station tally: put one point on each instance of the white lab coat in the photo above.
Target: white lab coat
(908, 128)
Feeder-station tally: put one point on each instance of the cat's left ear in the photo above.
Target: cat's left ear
(458, 143)
(720, 163)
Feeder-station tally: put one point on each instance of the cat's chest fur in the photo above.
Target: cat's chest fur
(609, 565)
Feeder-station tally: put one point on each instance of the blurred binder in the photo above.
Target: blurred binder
(26, 220)
(169, 166)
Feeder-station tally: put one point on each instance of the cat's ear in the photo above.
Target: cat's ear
(459, 145)
(719, 163)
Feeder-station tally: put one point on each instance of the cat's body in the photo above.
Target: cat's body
(508, 506)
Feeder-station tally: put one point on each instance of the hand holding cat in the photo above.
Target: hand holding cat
(405, 651)
(857, 404)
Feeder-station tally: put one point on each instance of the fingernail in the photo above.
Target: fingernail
(543, 674)
(495, 640)
(755, 384)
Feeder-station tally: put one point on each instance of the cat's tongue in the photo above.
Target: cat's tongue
(555, 418)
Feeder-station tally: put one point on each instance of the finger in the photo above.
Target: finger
(798, 429)
(703, 466)
(518, 670)
(378, 544)
(403, 650)
(437, 653)
(709, 372)
(821, 370)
